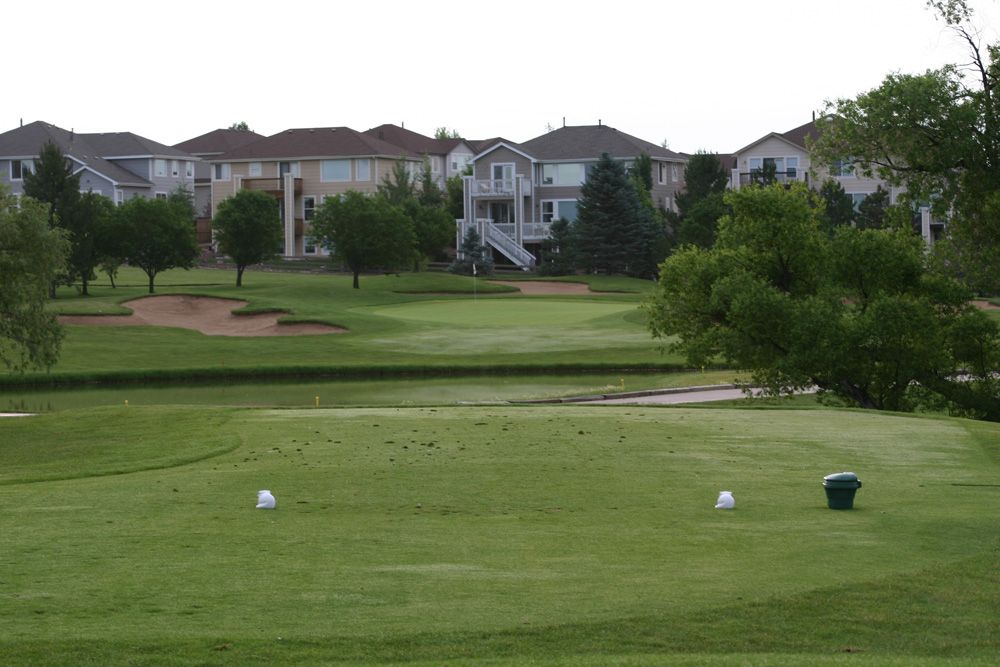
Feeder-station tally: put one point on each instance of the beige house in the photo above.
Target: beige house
(516, 190)
(787, 152)
(444, 157)
(301, 167)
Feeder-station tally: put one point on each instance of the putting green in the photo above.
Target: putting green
(494, 312)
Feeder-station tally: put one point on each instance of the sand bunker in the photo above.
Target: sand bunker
(985, 305)
(210, 316)
(546, 287)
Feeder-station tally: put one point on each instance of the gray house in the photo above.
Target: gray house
(516, 191)
(119, 165)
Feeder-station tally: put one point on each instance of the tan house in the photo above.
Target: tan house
(516, 191)
(788, 154)
(301, 167)
(445, 157)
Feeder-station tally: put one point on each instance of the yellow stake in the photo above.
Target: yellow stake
(126, 402)
(317, 401)
(622, 380)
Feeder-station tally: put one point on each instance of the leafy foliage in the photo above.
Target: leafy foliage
(860, 315)
(558, 252)
(156, 234)
(31, 254)
(247, 227)
(365, 232)
(937, 134)
(873, 210)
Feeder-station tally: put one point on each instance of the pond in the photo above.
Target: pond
(417, 391)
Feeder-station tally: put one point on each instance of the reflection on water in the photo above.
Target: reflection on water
(423, 391)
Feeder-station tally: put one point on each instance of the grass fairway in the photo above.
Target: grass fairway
(560, 535)
(395, 324)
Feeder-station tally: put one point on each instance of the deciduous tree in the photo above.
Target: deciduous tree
(859, 315)
(937, 134)
(156, 235)
(247, 228)
(31, 254)
(365, 232)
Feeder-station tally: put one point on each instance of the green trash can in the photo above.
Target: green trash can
(840, 489)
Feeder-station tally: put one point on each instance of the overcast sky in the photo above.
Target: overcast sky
(706, 74)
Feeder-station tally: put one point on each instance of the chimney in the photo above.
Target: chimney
(814, 115)
(402, 124)
(564, 121)
(72, 133)
(598, 122)
(22, 122)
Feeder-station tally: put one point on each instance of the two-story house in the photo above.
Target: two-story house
(119, 165)
(444, 157)
(788, 154)
(301, 167)
(516, 191)
(207, 146)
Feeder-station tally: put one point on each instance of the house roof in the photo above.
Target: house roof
(129, 144)
(587, 142)
(796, 137)
(414, 141)
(316, 142)
(218, 141)
(27, 141)
(480, 145)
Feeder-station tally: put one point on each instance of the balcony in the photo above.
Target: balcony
(272, 186)
(503, 187)
(757, 176)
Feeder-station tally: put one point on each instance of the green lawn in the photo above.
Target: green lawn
(496, 536)
(395, 323)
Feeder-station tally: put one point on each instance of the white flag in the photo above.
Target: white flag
(473, 269)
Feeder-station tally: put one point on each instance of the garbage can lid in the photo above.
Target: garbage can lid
(841, 479)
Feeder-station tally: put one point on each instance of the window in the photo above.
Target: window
(288, 168)
(363, 169)
(160, 167)
(175, 168)
(18, 168)
(563, 174)
(842, 168)
(119, 197)
(857, 198)
(189, 168)
(161, 195)
(792, 167)
(673, 173)
(222, 171)
(308, 207)
(662, 172)
(502, 172)
(254, 169)
(554, 209)
(335, 170)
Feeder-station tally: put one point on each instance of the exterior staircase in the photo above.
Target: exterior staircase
(491, 235)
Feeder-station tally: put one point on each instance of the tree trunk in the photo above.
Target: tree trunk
(356, 273)
(111, 277)
(239, 276)
(151, 276)
(83, 289)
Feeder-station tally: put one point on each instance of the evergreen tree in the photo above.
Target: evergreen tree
(839, 207)
(615, 232)
(872, 211)
(52, 181)
(701, 204)
(557, 256)
(473, 257)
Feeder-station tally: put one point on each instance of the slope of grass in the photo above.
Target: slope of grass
(500, 535)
